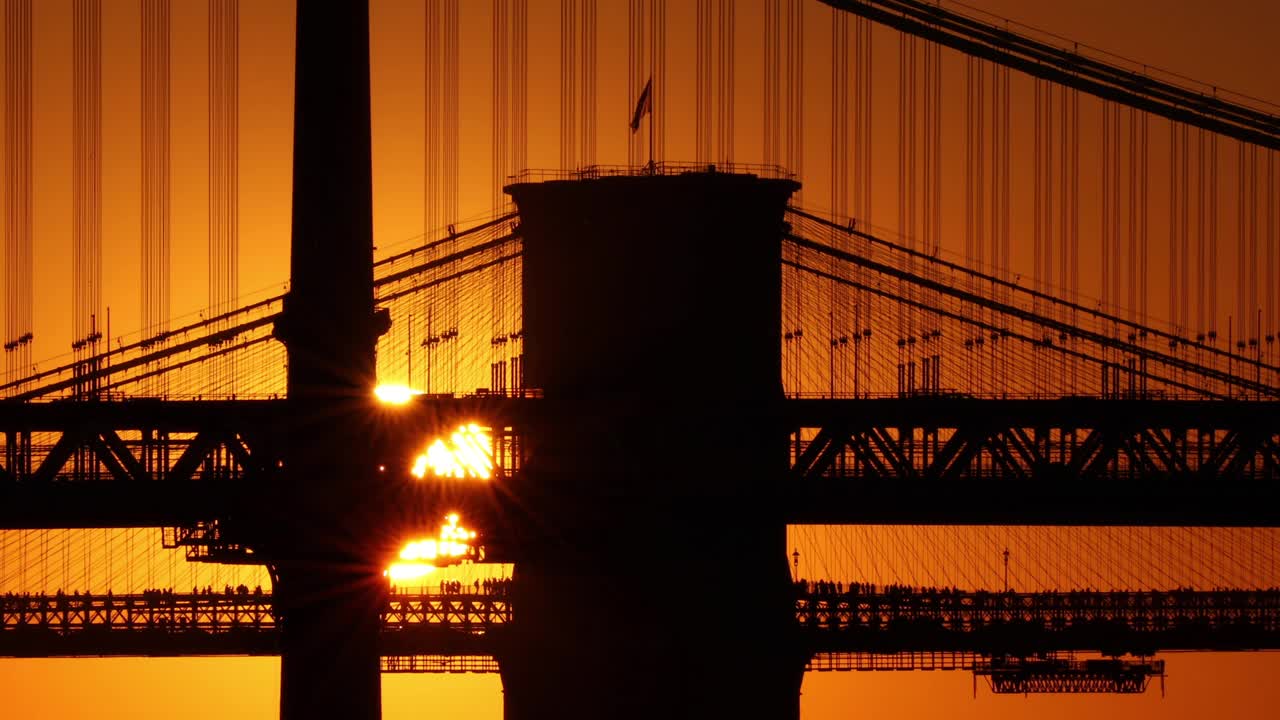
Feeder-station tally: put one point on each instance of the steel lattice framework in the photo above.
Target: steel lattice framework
(898, 624)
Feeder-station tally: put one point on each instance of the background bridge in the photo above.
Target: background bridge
(889, 620)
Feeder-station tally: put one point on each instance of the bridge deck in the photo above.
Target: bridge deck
(940, 460)
(895, 622)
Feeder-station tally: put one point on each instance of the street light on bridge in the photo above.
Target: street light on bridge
(1006, 569)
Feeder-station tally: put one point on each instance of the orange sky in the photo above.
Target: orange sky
(1224, 45)
(1230, 42)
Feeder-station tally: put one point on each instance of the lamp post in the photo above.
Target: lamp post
(1006, 569)
(795, 562)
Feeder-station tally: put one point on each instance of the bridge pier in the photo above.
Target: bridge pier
(651, 560)
(635, 643)
(329, 650)
(322, 522)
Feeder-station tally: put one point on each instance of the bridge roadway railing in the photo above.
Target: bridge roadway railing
(229, 611)
(908, 620)
(891, 621)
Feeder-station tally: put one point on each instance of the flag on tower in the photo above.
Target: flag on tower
(643, 105)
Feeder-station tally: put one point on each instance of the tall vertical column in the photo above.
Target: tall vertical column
(651, 569)
(321, 526)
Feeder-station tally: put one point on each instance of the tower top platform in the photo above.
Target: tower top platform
(660, 169)
(656, 281)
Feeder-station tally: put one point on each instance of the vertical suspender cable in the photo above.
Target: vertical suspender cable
(588, 64)
(840, 132)
(770, 94)
(1250, 321)
(658, 57)
(1172, 249)
(1242, 296)
(86, 226)
(224, 105)
(1133, 212)
(1184, 228)
(1109, 207)
(795, 91)
(635, 76)
(1201, 326)
(432, 75)
(904, 137)
(1272, 322)
(155, 172)
(1212, 250)
(520, 152)
(862, 192)
(726, 64)
(433, 175)
(451, 144)
(1144, 215)
(702, 81)
(1038, 229)
(1000, 203)
(1117, 240)
(568, 82)
(19, 231)
(500, 94)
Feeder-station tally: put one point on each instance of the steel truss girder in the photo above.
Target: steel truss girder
(128, 463)
(1017, 452)
(957, 624)
(146, 463)
(1074, 461)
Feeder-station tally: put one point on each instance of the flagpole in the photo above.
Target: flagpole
(653, 169)
(643, 105)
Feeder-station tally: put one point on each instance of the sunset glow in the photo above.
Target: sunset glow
(468, 453)
(797, 357)
(420, 558)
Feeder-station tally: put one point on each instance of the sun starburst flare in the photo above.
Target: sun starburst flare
(395, 394)
(467, 454)
(420, 558)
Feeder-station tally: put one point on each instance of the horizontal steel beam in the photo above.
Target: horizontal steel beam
(469, 624)
(951, 460)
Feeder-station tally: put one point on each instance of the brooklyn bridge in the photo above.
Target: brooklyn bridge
(664, 429)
